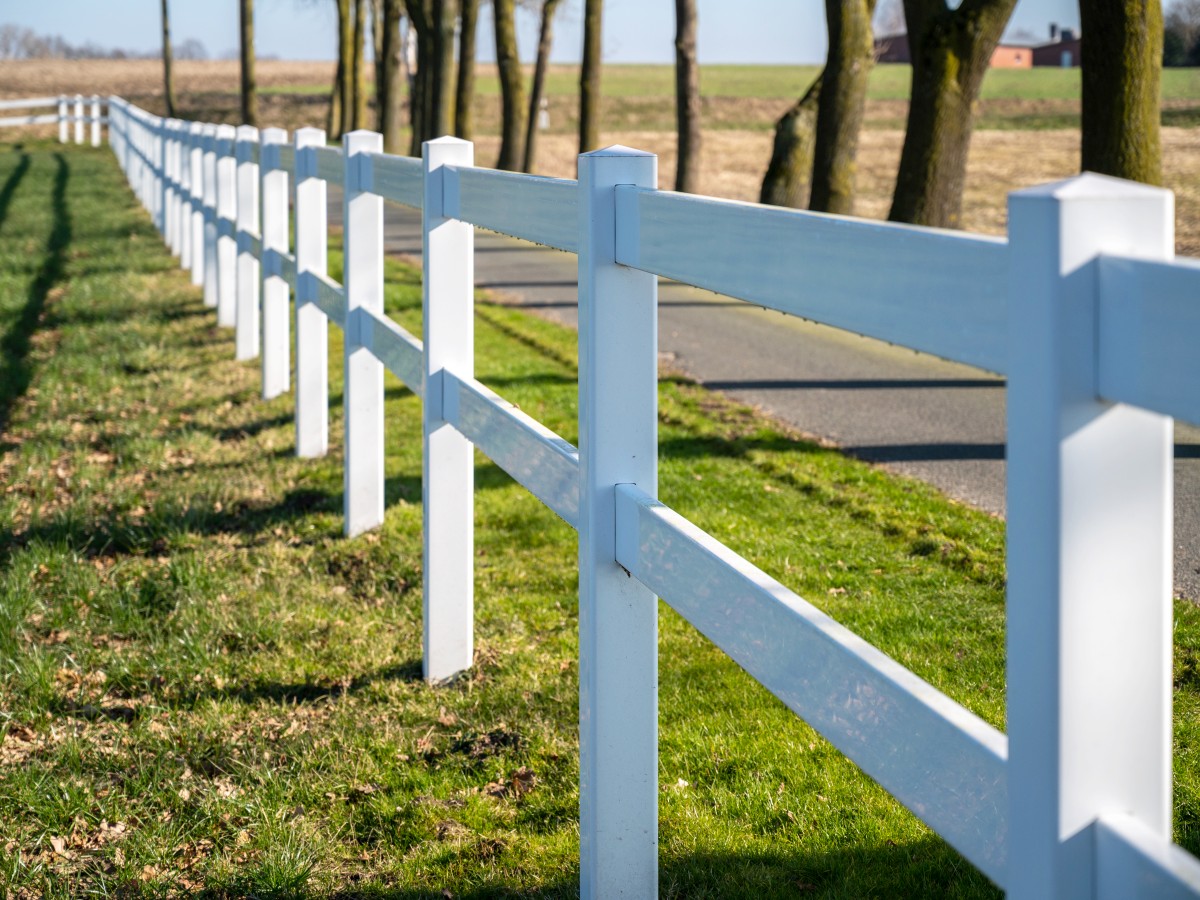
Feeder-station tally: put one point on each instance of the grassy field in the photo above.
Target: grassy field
(205, 689)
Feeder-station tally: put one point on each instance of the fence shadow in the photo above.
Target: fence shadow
(15, 370)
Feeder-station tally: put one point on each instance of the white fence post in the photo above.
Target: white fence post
(170, 186)
(62, 119)
(226, 223)
(312, 328)
(199, 187)
(448, 297)
(618, 616)
(210, 216)
(79, 118)
(247, 322)
(185, 195)
(363, 279)
(95, 121)
(1089, 545)
(276, 374)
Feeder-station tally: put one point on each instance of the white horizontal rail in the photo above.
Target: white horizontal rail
(398, 350)
(542, 210)
(938, 291)
(48, 119)
(277, 264)
(396, 178)
(541, 461)
(327, 295)
(329, 165)
(940, 760)
(248, 242)
(287, 157)
(1133, 861)
(29, 103)
(1149, 335)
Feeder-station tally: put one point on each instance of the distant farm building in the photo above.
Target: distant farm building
(1061, 51)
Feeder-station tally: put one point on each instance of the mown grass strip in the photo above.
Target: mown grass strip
(206, 690)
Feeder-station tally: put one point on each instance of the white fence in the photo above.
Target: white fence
(67, 110)
(1082, 308)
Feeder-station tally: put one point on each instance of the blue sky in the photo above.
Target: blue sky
(731, 31)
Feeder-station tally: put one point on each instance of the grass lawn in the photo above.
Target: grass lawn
(206, 690)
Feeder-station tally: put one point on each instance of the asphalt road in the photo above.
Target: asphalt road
(927, 418)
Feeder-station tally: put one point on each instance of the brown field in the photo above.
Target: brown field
(734, 159)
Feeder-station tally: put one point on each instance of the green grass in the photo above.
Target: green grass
(206, 690)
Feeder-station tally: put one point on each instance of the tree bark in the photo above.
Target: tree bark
(843, 95)
(1122, 68)
(420, 16)
(687, 98)
(168, 79)
(787, 182)
(512, 88)
(249, 91)
(378, 52)
(545, 41)
(359, 66)
(951, 50)
(389, 91)
(441, 115)
(464, 94)
(589, 77)
(345, 77)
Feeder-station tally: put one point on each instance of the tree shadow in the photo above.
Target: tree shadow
(15, 369)
(10, 185)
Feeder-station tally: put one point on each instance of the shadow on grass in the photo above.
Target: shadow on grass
(922, 868)
(15, 370)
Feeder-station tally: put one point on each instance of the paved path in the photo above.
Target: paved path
(930, 419)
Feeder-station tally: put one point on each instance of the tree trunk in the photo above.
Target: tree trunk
(787, 180)
(168, 79)
(249, 92)
(359, 117)
(345, 104)
(512, 88)
(441, 115)
(389, 91)
(420, 18)
(589, 77)
(333, 123)
(1122, 68)
(687, 98)
(951, 50)
(380, 75)
(843, 95)
(545, 40)
(464, 95)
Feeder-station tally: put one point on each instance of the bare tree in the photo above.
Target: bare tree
(951, 49)
(789, 174)
(358, 67)
(589, 77)
(341, 100)
(512, 88)
(545, 40)
(442, 97)
(249, 89)
(843, 95)
(168, 81)
(1122, 69)
(464, 94)
(389, 89)
(687, 98)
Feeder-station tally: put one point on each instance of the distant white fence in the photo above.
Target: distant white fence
(1082, 308)
(67, 110)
